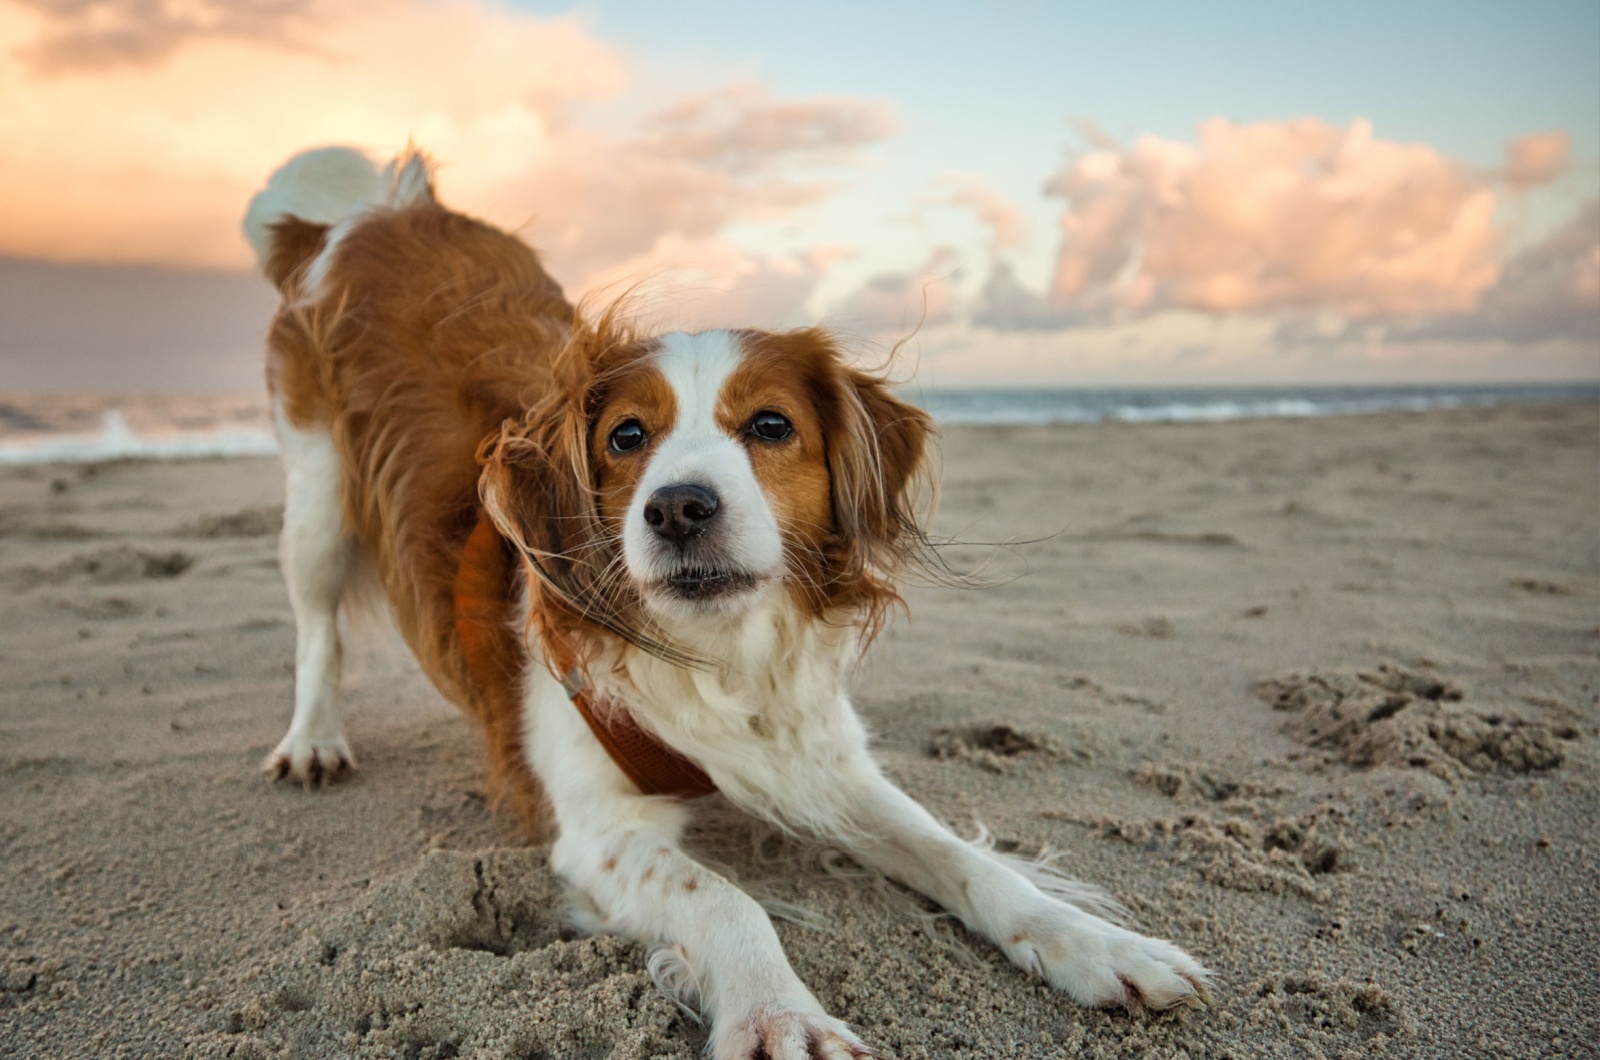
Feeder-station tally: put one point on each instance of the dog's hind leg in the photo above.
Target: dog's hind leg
(317, 554)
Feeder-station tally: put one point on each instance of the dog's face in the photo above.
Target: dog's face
(712, 470)
(721, 466)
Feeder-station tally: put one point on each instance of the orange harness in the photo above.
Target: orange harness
(482, 587)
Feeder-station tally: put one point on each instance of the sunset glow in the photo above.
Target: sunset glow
(133, 133)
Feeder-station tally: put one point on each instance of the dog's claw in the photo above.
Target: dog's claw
(1201, 998)
(1132, 1000)
(312, 764)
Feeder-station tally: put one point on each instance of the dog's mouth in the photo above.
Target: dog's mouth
(706, 583)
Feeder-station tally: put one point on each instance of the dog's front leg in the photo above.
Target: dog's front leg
(1095, 961)
(620, 850)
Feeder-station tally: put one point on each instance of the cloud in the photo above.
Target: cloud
(154, 161)
(135, 130)
(1271, 217)
(99, 34)
(1007, 229)
(891, 305)
(742, 129)
(1549, 292)
(1536, 159)
(608, 209)
(695, 284)
(1007, 304)
(1339, 255)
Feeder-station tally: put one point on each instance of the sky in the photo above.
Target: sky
(1026, 193)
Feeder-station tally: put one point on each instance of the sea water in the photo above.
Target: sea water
(79, 429)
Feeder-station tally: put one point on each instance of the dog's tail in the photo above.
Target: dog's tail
(287, 222)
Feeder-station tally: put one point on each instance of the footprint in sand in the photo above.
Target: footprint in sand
(249, 522)
(997, 746)
(105, 567)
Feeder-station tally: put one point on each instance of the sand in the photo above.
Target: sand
(1316, 698)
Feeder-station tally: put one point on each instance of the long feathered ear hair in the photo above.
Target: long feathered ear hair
(882, 488)
(538, 486)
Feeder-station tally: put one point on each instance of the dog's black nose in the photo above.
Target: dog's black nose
(681, 512)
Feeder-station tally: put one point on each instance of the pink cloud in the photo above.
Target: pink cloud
(893, 304)
(1289, 216)
(1549, 292)
(707, 283)
(152, 161)
(135, 131)
(1536, 159)
(1007, 228)
(606, 207)
(743, 129)
(100, 34)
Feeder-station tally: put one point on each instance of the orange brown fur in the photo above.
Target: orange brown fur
(432, 330)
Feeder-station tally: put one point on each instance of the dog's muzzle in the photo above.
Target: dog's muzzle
(687, 519)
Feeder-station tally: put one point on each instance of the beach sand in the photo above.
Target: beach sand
(1317, 699)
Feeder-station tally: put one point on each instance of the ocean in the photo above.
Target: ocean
(79, 429)
(1173, 405)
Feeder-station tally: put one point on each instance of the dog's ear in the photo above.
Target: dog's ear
(538, 486)
(535, 486)
(878, 452)
(877, 459)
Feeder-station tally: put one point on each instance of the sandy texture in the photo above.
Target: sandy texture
(1317, 699)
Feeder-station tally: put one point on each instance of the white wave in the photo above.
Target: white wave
(1091, 407)
(1214, 410)
(117, 441)
(1004, 417)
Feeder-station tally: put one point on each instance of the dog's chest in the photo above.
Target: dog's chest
(777, 695)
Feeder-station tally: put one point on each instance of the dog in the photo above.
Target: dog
(645, 563)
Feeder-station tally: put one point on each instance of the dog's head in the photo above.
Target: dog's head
(677, 479)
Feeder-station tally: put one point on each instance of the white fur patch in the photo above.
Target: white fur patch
(697, 450)
(322, 186)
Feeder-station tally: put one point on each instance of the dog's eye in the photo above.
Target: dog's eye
(627, 436)
(769, 426)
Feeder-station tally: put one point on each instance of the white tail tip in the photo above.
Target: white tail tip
(327, 184)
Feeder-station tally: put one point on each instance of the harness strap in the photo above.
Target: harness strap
(482, 586)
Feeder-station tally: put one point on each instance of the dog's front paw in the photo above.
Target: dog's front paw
(778, 1032)
(1102, 965)
(303, 760)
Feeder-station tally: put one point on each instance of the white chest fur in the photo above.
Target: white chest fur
(770, 714)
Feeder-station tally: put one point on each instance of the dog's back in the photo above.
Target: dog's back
(407, 334)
